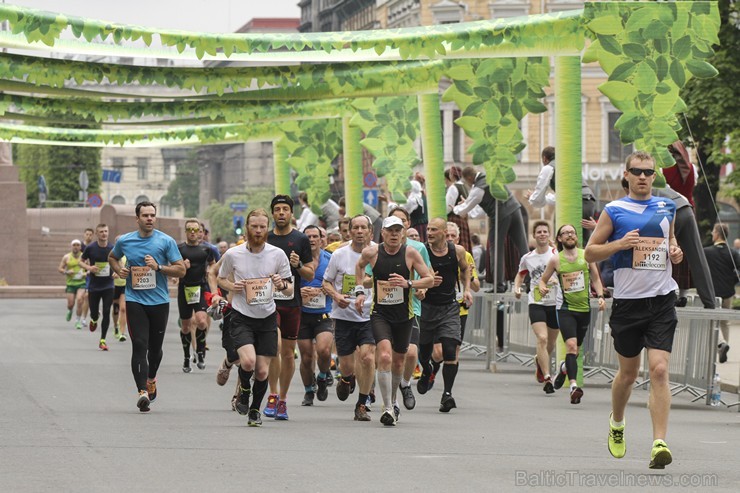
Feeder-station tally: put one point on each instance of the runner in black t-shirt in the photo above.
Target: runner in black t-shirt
(100, 281)
(298, 250)
(191, 291)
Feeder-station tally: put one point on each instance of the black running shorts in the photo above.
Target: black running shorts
(313, 324)
(643, 323)
(574, 324)
(541, 313)
(260, 332)
(351, 335)
(399, 333)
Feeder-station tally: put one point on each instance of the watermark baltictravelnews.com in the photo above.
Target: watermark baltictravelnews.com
(564, 479)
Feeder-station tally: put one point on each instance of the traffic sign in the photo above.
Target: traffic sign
(84, 182)
(238, 206)
(370, 179)
(94, 200)
(370, 197)
(112, 175)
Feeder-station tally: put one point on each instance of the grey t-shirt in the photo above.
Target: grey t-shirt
(256, 300)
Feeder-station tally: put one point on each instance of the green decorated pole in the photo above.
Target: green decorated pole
(282, 170)
(352, 154)
(431, 143)
(568, 207)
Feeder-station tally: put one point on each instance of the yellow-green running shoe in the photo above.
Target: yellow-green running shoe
(660, 456)
(617, 445)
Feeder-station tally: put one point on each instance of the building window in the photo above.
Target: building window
(118, 200)
(117, 163)
(504, 9)
(447, 12)
(142, 168)
(142, 198)
(618, 152)
(168, 171)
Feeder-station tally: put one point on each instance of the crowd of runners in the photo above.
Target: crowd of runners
(368, 309)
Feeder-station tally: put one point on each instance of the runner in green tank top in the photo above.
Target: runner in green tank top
(75, 281)
(574, 314)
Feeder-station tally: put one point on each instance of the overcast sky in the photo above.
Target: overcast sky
(188, 15)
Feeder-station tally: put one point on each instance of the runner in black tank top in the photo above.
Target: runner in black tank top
(440, 310)
(391, 316)
(393, 304)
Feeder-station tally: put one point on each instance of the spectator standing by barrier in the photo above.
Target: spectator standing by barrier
(723, 264)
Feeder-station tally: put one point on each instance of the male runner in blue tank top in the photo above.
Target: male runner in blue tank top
(392, 264)
(637, 232)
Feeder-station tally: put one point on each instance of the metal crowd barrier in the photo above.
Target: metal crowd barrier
(693, 357)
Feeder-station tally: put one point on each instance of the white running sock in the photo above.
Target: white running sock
(384, 383)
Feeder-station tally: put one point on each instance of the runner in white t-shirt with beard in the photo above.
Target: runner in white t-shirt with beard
(258, 269)
(352, 330)
(542, 311)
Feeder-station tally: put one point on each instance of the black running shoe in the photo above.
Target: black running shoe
(548, 388)
(409, 401)
(560, 379)
(322, 391)
(186, 366)
(201, 361)
(242, 408)
(447, 403)
(254, 418)
(422, 385)
(343, 389)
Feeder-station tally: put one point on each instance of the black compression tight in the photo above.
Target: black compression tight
(94, 297)
(146, 327)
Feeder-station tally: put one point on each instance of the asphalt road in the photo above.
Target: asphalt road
(69, 423)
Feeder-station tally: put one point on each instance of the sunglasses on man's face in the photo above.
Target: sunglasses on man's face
(640, 171)
(192, 230)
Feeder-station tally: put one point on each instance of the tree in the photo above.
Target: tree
(61, 167)
(220, 216)
(183, 190)
(713, 114)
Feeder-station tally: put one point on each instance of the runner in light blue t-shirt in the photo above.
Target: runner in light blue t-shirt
(151, 256)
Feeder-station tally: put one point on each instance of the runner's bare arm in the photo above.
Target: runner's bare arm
(63, 265)
(115, 264)
(213, 280)
(282, 285)
(341, 300)
(465, 272)
(176, 269)
(369, 256)
(598, 249)
(598, 286)
(552, 266)
(518, 280)
(426, 276)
